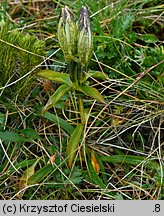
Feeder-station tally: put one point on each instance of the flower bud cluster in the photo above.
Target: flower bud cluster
(75, 38)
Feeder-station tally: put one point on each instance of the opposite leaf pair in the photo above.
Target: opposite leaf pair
(66, 86)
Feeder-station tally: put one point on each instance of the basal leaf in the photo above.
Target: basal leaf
(22, 164)
(40, 174)
(18, 166)
(26, 175)
(94, 176)
(73, 144)
(95, 162)
(55, 76)
(56, 96)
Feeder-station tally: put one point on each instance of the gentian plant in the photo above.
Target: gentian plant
(76, 42)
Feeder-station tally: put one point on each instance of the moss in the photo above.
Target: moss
(19, 54)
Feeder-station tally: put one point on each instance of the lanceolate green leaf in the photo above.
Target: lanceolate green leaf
(92, 92)
(40, 174)
(94, 176)
(26, 175)
(64, 124)
(92, 173)
(13, 137)
(73, 144)
(55, 76)
(56, 96)
(129, 159)
(21, 165)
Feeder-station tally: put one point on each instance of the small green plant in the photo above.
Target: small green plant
(120, 144)
(75, 39)
(19, 54)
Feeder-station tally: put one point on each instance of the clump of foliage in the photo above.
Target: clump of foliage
(19, 54)
(76, 43)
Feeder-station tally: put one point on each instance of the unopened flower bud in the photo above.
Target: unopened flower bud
(85, 41)
(67, 33)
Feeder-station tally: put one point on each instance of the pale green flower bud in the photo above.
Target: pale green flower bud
(67, 33)
(85, 40)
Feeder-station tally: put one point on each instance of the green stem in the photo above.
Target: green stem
(75, 76)
(81, 109)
